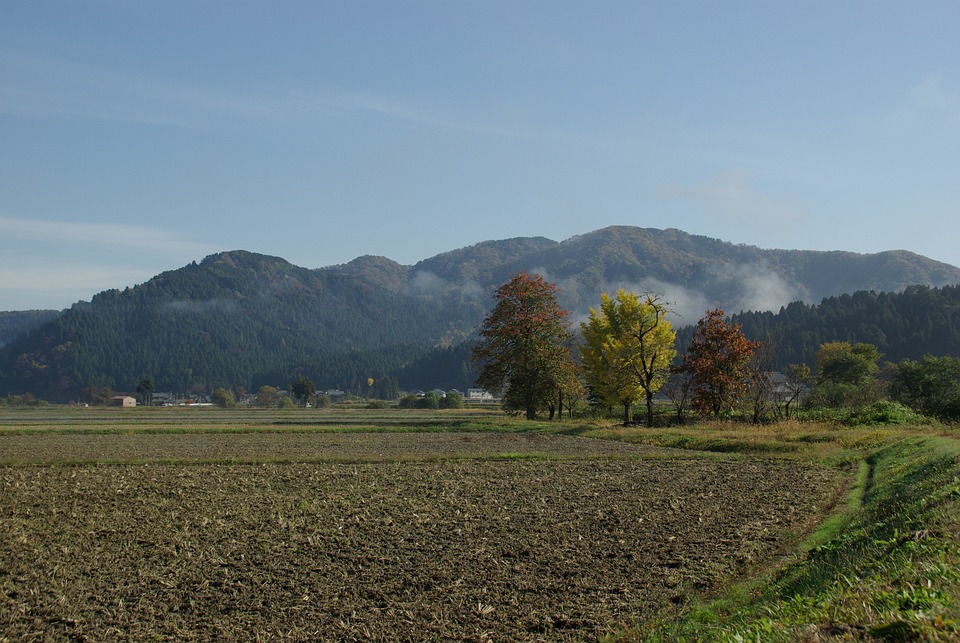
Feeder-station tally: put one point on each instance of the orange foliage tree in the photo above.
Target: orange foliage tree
(524, 350)
(718, 361)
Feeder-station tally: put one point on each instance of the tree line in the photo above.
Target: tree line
(627, 351)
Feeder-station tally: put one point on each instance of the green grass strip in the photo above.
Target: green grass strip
(887, 568)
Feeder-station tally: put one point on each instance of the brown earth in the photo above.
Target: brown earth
(301, 446)
(443, 549)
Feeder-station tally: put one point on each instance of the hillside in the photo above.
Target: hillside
(693, 272)
(16, 323)
(236, 319)
(240, 319)
(910, 324)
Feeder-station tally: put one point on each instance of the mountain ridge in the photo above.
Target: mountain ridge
(239, 318)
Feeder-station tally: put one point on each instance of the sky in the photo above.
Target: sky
(136, 137)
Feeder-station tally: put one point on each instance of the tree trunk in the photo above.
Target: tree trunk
(626, 414)
(649, 409)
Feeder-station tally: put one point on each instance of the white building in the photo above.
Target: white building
(480, 394)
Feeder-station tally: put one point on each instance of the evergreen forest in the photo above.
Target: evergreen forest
(240, 320)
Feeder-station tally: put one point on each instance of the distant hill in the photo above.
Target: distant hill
(693, 272)
(16, 323)
(910, 324)
(240, 319)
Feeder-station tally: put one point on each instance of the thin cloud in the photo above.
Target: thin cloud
(68, 278)
(40, 283)
(38, 86)
(929, 102)
(731, 195)
(155, 240)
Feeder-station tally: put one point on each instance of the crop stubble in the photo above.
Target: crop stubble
(401, 550)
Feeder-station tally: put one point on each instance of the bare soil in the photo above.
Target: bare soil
(301, 446)
(556, 548)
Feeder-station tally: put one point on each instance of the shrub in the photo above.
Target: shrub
(453, 400)
(408, 402)
(223, 398)
(429, 401)
(27, 399)
(884, 412)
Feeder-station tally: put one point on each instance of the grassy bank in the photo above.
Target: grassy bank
(887, 568)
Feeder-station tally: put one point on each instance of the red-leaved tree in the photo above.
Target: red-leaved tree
(524, 350)
(717, 360)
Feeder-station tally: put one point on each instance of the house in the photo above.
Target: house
(161, 399)
(479, 394)
(123, 400)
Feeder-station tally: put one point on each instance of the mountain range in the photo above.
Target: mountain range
(240, 319)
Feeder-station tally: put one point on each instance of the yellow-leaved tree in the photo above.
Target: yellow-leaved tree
(628, 348)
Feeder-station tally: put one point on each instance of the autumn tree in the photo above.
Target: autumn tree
(627, 350)
(717, 361)
(568, 386)
(524, 345)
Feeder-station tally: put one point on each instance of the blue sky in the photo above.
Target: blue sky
(136, 137)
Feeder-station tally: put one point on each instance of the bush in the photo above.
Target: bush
(378, 404)
(453, 400)
(429, 401)
(408, 402)
(223, 398)
(27, 399)
(884, 412)
(839, 395)
(930, 386)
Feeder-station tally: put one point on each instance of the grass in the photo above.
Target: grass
(885, 568)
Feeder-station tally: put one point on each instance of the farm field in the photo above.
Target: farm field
(146, 527)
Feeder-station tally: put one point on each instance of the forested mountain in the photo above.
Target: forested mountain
(16, 323)
(236, 319)
(908, 325)
(692, 272)
(239, 319)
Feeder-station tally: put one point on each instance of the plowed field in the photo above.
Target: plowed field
(373, 536)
